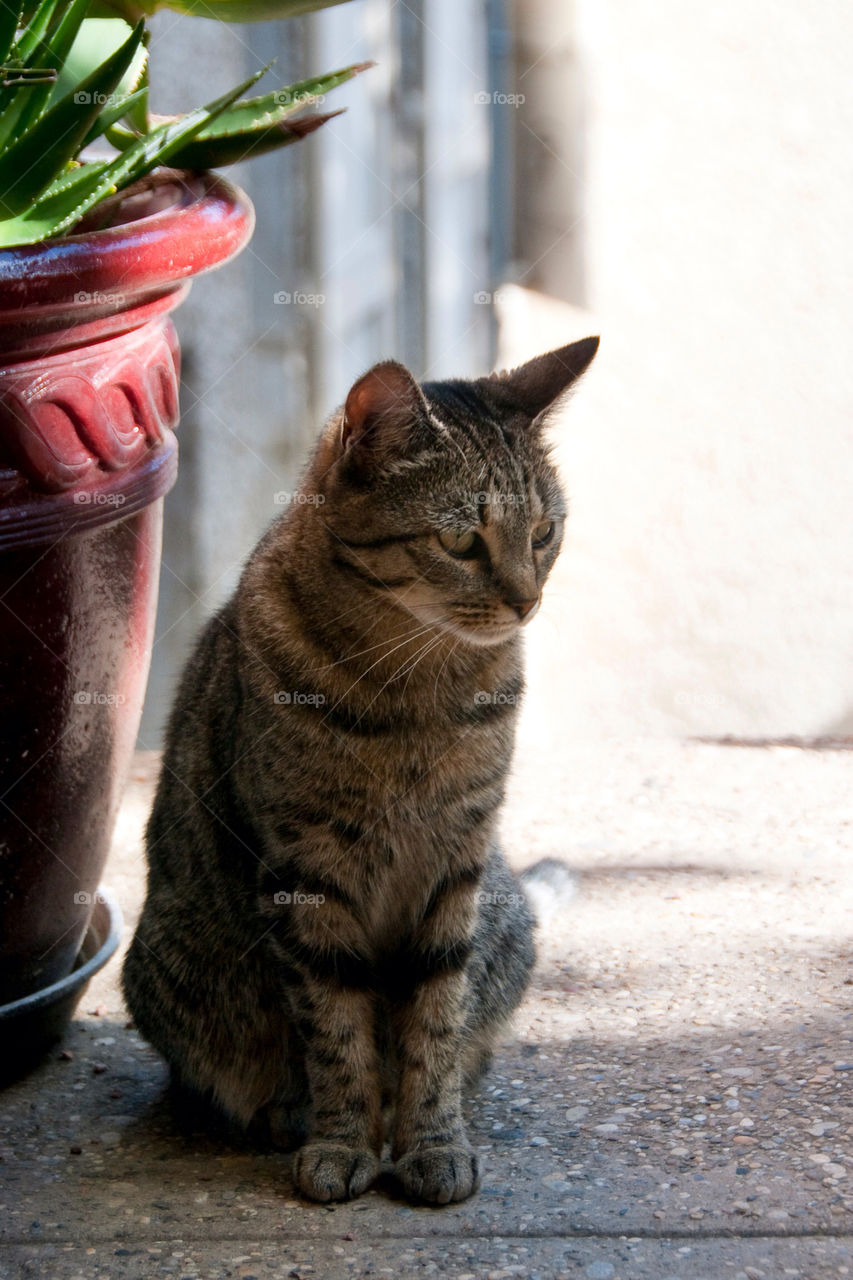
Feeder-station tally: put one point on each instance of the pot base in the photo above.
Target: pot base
(29, 1026)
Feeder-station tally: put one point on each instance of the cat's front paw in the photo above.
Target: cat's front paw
(438, 1175)
(333, 1171)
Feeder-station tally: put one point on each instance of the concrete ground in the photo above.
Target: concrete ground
(674, 1100)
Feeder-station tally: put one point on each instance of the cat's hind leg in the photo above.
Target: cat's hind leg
(286, 1118)
(502, 957)
(225, 1038)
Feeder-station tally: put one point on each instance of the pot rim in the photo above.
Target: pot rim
(79, 976)
(148, 249)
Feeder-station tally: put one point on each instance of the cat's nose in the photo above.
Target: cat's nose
(524, 608)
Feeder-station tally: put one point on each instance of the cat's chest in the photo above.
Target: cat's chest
(430, 805)
(424, 771)
(410, 862)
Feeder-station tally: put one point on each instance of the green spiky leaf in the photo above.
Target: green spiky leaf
(70, 78)
(66, 202)
(10, 19)
(37, 26)
(213, 152)
(263, 124)
(96, 40)
(26, 71)
(124, 106)
(50, 52)
(137, 113)
(31, 163)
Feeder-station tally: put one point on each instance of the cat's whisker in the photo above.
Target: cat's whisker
(421, 652)
(431, 642)
(361, 607)
(364, 674)
(370, 606)
(436, 642)
(408, 665)
(417, 629)
(447, 659)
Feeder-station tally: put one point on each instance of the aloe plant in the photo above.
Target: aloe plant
(224, 10)
(71, 80)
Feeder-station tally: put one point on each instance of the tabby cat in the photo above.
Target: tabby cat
(331, 938)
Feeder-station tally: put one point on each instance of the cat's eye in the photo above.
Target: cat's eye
(459, 543)
(542, 533)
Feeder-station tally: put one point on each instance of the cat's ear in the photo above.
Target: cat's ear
(381, 412)
(533, 387)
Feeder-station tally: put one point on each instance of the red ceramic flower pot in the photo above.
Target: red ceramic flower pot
(88, 403)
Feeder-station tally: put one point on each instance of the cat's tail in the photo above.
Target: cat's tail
(549, 887)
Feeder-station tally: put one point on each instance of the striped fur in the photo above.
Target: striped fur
(329, 926)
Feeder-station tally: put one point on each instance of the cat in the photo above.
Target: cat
(331, 939)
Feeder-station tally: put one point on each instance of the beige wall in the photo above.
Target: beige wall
(707, 585)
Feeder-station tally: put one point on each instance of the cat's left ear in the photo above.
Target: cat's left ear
(381, 412)
(533, 387)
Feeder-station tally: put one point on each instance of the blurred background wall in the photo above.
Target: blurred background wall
(512, 176)
(375, 237)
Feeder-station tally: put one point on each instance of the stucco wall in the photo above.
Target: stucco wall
(707, 584)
